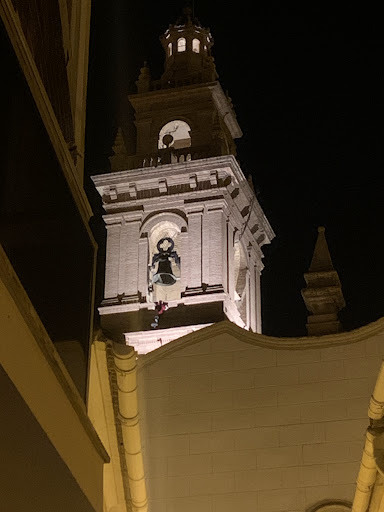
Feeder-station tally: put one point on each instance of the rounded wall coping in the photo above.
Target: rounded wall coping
(261, 340)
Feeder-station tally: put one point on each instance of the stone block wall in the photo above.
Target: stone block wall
(229, 425)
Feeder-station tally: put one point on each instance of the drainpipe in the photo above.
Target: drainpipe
(126, 374)
(376, 404)
(368, 467)
(366, 477)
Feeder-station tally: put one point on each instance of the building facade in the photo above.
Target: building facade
(176, 401)
(51, 456)
(207, 413)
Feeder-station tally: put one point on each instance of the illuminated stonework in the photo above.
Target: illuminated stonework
(178, 133)
(183, 184)
(206, 207)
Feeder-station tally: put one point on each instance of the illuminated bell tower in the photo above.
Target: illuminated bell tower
(184, 228)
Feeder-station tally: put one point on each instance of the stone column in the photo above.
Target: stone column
(143, 266)
(195, 248)
(217, 247)
(252, 290)
(205, 249)
(113, 226)
(258, 298)
(144, 136)
(230, 284)
(185, 261)
(129, 257)
(248, 298)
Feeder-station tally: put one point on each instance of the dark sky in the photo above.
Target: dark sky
(307, 85)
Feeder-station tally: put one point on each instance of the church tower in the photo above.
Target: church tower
(184, 228)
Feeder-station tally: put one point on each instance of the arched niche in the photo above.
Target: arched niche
(240, 267)
(196, 45)
(181, 44)
(164, 225)
(175, 134)
(331, 506)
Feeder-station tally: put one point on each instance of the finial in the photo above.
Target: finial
(323, 295)
(143, 82)
(187, 11)
(145, 69)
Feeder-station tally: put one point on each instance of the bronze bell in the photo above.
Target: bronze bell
(164, 275)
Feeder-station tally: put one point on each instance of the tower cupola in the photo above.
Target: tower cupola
(185, 114)
(187, 47)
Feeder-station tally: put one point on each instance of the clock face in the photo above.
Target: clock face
(175, 134)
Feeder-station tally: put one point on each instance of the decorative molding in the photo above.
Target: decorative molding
(16, 35)
(125, 367)
(261, 340)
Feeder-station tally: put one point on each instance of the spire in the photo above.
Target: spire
(323, 296)
(144, 80)
(187, 17)
(118, 160)
(321, 260)
(119, 144)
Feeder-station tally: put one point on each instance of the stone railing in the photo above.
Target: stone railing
(169, 156)
(181, 82)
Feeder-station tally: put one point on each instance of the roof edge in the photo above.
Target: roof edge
(261, 340)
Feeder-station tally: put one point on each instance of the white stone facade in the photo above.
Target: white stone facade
(234, 421)
(210, 212)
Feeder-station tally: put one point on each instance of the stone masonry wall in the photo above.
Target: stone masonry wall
(229, 426)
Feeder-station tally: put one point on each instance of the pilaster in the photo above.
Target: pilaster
(252, 295)
(129, 257)
(216, 247)
(143, 266)
(185, 260)
(113, 227)
(258, 298)
(195, 247)
(230, 282)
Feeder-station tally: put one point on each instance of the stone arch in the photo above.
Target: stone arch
(180, 132)
(240, 266)
(330, 505)
(196, 45)
(181, 44)
(164, 225)
(175, 217)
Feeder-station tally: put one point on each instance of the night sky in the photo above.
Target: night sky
(307, 85)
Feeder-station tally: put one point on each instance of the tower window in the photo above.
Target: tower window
(177, 135)
(196, 45)
(169, 49)
(181, 44)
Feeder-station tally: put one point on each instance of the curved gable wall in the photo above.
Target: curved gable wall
(235, 421)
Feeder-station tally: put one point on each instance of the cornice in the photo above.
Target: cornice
(26, 61)
(144, 97)
(48, 349)
(179, 174)
(225, 110)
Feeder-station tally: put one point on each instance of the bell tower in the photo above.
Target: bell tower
(184, 228)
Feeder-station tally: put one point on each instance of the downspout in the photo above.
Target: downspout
(368, 467)
(126, 374)
(366, 477)
(376, 403)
